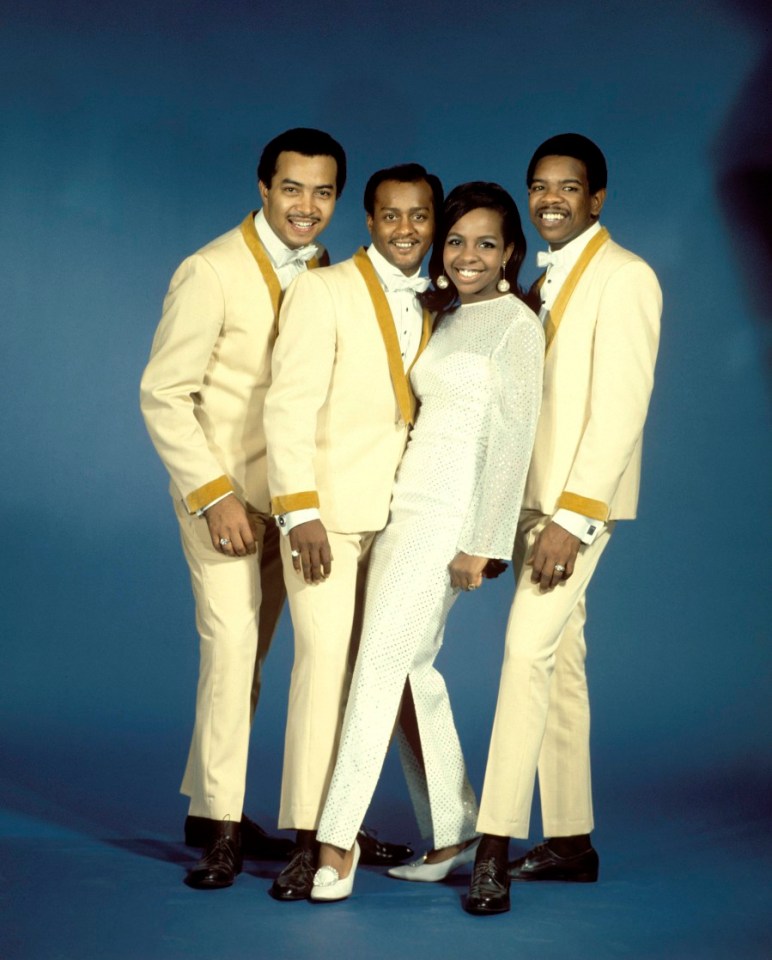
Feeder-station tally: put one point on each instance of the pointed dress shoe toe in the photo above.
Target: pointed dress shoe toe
(489, 889)
(328, 886)
(297, 878)
(423, 872)
(221, 861)
(542, 863)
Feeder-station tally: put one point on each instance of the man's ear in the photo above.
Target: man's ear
(596, 202)
(369, 222)
(263, 190)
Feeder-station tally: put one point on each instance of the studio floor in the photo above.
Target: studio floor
(674, 887)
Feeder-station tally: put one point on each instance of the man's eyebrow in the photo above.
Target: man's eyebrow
(296, 183)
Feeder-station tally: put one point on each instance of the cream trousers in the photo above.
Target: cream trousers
(327, 620)
(238, 603)
(542, 717)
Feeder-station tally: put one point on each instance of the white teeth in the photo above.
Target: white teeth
(468, 274)
(403, 246)
(553, 216)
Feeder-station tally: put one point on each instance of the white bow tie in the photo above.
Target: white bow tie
(547, 258)
(396, 283)
(298, 255)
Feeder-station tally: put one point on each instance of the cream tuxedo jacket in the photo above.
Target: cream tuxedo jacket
(340, 406)
(203, 390)
(602, 339)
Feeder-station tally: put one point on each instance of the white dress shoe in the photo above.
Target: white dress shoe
(329, 886)
(423, 872)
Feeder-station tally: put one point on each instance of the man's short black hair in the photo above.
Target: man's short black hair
(307, 142)
(580, 148)
(404, 173)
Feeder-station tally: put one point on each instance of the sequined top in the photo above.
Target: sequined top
(479, 386)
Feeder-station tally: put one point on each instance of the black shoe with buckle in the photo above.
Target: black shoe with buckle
(297, 878)
(221, 861)
(542, 863)
(255, 842)
(489, 889)
(378, 853)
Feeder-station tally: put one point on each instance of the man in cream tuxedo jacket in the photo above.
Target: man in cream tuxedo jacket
(336, 419)
(202, 397)
(601, 307)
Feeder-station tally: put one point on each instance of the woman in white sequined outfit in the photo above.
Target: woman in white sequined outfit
(455, 507)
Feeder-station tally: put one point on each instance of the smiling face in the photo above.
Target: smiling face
(473, 254)
(559, 200)
(402, 223)
(300, 200)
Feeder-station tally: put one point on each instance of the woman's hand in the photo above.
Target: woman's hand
(466, 571)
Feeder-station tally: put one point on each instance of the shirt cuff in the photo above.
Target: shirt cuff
(580, 526)
(286, 521)
(202, 511)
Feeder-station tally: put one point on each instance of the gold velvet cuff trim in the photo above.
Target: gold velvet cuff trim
(210, 491)
(594, 509)
(294, 501)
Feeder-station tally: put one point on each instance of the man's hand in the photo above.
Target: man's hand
(466, 571)
(228, 520)
(553, 556)
(314, 557)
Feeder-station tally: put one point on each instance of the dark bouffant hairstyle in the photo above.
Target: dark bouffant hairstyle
(460, 201)
(307, 142)
(580, 148)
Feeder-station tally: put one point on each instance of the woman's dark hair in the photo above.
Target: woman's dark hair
(307, 142)
(462, 200)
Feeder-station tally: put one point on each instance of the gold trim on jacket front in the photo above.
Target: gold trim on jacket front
(555, 315)
(399, 376)
(200, 498)
(258, 251)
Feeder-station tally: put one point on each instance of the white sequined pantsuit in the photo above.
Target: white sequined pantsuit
(459, 487)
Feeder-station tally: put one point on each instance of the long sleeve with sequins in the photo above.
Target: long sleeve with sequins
(516, 374)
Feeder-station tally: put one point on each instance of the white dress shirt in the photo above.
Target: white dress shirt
(405, 309)
(286, 261)
(559, 264)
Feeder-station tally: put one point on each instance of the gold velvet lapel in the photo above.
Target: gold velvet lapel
(252, 240)
(400, 381)
(569, 285)
(426, 332)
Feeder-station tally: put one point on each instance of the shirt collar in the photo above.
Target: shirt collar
(276, 249)
(389, 275)
(567, 256)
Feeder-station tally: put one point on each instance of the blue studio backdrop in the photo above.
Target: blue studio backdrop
(129, 139)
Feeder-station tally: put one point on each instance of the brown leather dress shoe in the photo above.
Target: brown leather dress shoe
(378, 853)
(297, 878)
(489, 889)
(542, 863)
(255, 842)
(221, 861)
